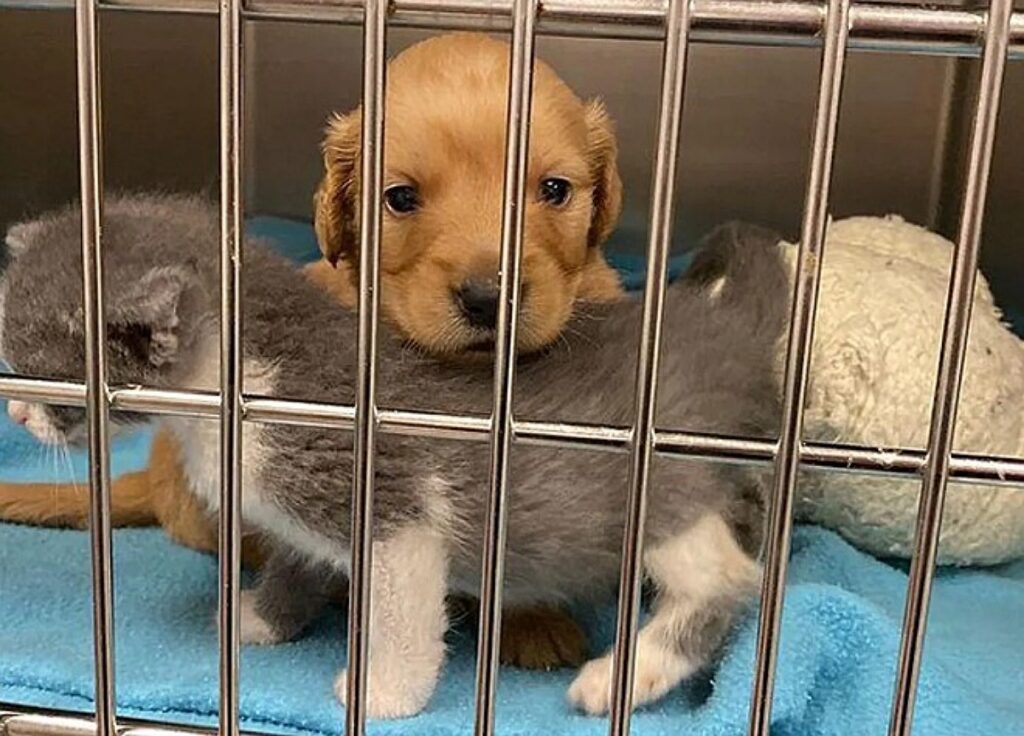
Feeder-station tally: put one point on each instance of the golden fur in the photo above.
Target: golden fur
(445, 132)
(446, 135)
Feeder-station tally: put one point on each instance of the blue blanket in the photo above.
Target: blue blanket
(840, 633)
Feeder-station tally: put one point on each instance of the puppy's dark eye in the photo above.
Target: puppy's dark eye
(402, 199)
(555, 191)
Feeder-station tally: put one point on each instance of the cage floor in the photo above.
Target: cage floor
(840, 636)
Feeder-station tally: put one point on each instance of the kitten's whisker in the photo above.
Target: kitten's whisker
(70, 466)
(53, 452)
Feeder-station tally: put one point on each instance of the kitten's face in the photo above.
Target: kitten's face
(40, 332)
(41, 317)
(51, 425)
(51, 344)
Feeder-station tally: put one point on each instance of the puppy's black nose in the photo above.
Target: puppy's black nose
(478, 301)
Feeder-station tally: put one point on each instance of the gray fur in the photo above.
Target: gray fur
(565, 508)
(293, 590)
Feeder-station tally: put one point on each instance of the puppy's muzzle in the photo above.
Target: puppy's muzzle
(477, 302)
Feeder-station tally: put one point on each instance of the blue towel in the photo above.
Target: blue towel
(840, 634)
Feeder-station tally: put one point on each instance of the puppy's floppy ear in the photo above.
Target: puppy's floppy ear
(143, 321)
(334, 203)
(603, 153)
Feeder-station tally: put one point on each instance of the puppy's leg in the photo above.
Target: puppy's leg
(703, 580)
(67, 504)
(541, 638)
(407, 623)
(291, 593)
(534, 637)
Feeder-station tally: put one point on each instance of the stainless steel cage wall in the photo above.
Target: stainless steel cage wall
(996, 33)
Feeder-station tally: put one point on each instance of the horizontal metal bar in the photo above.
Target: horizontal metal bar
(20, 720)
(34, 725)
(42, 390)
(873, 26)
(885, 461)
(45, 725)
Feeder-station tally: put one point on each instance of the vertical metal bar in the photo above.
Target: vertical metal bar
(372, 174)
(670, 115)
(948, 144)
(517, 146)
(798, 361)
(97, 401)
(959, 305)
(230, 359)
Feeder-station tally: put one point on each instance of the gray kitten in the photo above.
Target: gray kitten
(704, 521)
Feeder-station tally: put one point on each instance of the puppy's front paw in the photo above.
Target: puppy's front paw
(657, 672)
(389, 697)
(255, 629)
(541, 639)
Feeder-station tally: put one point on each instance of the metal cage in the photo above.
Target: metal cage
(996, 33)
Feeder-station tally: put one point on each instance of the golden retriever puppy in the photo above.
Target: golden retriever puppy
(444, 160)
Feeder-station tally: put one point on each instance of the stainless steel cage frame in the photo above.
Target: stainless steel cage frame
(996, 33)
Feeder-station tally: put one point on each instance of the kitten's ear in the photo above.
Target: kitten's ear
(144, 319)
(19, 237)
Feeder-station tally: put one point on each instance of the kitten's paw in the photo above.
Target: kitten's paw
(541, 639)
(255, 629)
(591, 691)
(389, 697)
(657, 672)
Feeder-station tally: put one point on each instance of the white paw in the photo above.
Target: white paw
(389, 697)
(657, 672)
(254, 628)
(591, 690)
